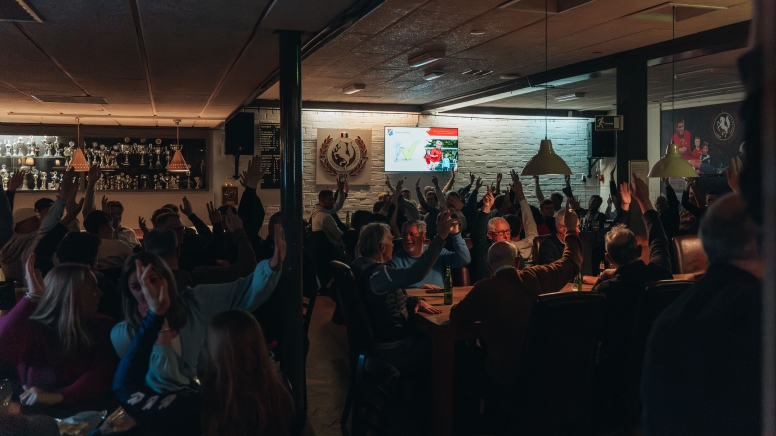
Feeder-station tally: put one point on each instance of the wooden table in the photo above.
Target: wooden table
(443, 336)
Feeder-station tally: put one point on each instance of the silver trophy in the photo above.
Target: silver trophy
(43, 185)
(56, 147)
(196, 182)
(54, 181)
(157, 183)
(35, 175)
(144, 181)
(8, 147)
(142, 151)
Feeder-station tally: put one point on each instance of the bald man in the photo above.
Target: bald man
(503, 302)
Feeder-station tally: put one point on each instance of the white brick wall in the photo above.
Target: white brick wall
(487, 145)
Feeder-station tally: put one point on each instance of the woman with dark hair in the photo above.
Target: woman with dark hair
(173, 362)
(56, 340)
(241, 393)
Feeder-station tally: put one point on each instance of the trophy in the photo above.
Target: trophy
(35, 174)
(196, 182)
(144, 181)
(135, 183)
(142, 151)
(8, 147)
(157, 183)
(54, 181)
(167, 157)
(43, 185)
(56, 147)
(5, 181)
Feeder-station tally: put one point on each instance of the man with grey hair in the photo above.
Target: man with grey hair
(413, 235)
(503, 303)
(552, 248)
(383, 288)
(703, 360)
(625, 288)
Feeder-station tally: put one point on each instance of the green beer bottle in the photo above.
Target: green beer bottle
(347, 219)
(448, 287)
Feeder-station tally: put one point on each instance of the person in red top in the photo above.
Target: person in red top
(434, 156)
(696, 148)
(56, 340)
(682, 138)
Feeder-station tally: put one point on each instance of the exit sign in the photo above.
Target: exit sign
(608, 122)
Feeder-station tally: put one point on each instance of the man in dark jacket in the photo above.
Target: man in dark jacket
(626, 287)
(383, 289)
(702, 367)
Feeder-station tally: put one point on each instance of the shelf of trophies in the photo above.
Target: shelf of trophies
(126, 164)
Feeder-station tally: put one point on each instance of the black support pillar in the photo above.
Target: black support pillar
(632, 105)
(292, 358)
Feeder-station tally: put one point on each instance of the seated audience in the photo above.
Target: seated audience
(552, 248)
(703, 365)
(413, 234)
(241, 393)
(56, 340)
(502, 303)
(113, 252)
(694, 203)
(383, 288)
(430, 204)
(174, 359)
(192, 251)
(668, 208)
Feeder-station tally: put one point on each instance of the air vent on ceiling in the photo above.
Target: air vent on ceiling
(552, 6)
(684, 11)
(69, 99)
(477, 72)
(17, 10)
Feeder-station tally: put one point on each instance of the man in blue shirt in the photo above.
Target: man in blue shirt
(413, 234)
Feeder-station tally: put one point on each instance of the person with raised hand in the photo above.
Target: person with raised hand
(250, 209)
(430, 203)
(56, 340)
(383, 288)
(503, 302)
(240, 394)
(321, 219)
(190, 310)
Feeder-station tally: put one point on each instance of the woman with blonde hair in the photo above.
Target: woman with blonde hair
(56, 339)
(241, 393)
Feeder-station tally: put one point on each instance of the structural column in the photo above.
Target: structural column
(632, 140)
(292, 358)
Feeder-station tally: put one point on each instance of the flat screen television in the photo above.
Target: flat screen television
(421, 149)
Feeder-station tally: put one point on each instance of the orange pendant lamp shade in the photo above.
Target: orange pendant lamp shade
(79, 162)
(178, 163)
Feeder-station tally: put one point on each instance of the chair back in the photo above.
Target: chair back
(689, 256)
(322, 251)
(644, 242)
(375, 384)
(360, 337)
(537, 244)
(461, 276)
(556, 376)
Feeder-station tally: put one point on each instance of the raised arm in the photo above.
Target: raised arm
(250, 210)
(91, 181)
(449, 185)
(422, 200)
(246, 257)
(440, 195)
(687, 204)
(342, 189)
(658, 242)
(204, 234)
(538, 190)
(567, 190)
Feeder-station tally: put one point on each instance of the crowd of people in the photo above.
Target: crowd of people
(174, 326)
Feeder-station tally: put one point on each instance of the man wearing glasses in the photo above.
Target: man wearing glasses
(413, 235)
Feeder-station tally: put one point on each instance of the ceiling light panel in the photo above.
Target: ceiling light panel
(354, 88)
(426, 58)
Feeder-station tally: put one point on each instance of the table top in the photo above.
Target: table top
(435, 321)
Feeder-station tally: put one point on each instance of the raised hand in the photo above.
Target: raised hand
(453, 203)
(487, 201)
(342, 185)
(69, 186)
(16, 181)
(499, 176)
(567, 178)
(232, 222)
(34, 278)
(435, 181)
(478, 185)
(388, 182)
(625, 196)
(571, 220)
(186, 207)
(254, 174)
(575, 203)
(93, 176)
(733, 173)
(445, 224)
(640, 191)
(213, 213)
(280, 248)
(398, 186)
(72, 209)
(156, 292)
(471, 178)
(141, 222)
(417, 184)
(104, 203)
(611, 173)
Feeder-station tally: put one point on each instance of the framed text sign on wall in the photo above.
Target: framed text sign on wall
(269, 144)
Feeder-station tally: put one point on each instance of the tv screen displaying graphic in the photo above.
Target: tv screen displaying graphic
(421, 149)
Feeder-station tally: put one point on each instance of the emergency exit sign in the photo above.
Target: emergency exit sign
(608, 122)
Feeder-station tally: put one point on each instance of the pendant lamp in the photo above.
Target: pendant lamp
(545, 161)
(672, 165)
(178, 163)
(78, 163)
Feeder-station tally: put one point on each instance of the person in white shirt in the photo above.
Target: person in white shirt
(321, 219)
(112, 252)
(116, 210)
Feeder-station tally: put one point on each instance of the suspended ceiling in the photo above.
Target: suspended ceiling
(200, 61)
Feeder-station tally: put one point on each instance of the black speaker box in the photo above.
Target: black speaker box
(602, 144)
(240, 134)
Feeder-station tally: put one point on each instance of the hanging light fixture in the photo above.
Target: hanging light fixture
(546, 161)
(672, 164)
(78, 163)
(178, 163)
